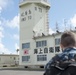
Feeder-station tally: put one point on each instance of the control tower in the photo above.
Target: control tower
(34, 18)
(33, 23)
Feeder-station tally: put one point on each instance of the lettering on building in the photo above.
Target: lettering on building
(44, 50)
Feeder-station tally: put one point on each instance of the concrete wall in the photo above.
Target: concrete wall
(9, 60)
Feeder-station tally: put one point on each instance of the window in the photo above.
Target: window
(44, 43)
(57, 49)
(41, 57)
(40, 9)
(25, 58)
(57, 41)
(35, 8)
(38, 44)
(41, 43)
(25, 45)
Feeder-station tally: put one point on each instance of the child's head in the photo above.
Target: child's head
(68, 39)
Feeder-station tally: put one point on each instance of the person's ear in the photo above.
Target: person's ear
(61, 46)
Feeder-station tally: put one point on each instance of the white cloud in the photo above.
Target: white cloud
(11, 23)
(67, 24)
(3, 49)
(1, 33)
(73, 20)
(0, 22)
(16, 46)
(16, 36)
(1, 28)
(1, 36)
(0, 10)
(14, 23)
(4, 3)
(51, 31)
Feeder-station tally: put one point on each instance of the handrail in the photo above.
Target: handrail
(32, 0)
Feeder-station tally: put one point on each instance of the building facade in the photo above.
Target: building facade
(9, 60)
(37, 47)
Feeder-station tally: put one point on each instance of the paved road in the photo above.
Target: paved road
(20, 72)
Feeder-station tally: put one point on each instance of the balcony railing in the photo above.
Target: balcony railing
(33, 0)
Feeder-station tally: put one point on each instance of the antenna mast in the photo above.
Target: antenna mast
(57, 28)
(65, 24)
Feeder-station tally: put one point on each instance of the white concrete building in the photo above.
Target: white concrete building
(9, 60)
(37, 47)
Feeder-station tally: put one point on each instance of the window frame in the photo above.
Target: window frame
(57, 41)
(42, 43)
(41, 58)
(27, 59)
(25, 45)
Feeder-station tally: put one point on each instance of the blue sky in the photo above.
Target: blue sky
(62, 11)
(9, 21)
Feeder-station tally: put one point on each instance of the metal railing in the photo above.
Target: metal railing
(32, 0)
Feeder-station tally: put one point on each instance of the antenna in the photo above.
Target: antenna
(57, 28)
(65, 24)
